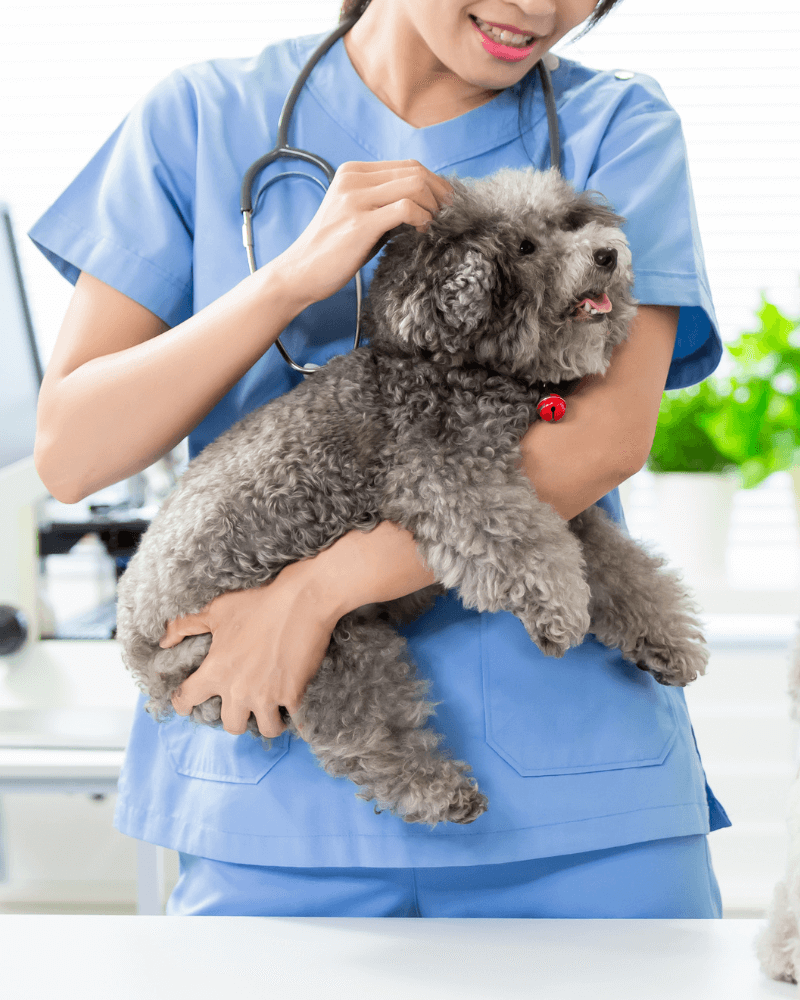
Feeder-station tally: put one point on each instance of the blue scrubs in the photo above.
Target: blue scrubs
(660, 879)
(577, 755)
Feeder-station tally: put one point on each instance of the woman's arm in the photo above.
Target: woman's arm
(603, 439)
(122, 388)
(608, 429)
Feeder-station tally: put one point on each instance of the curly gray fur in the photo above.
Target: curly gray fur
(422, 427)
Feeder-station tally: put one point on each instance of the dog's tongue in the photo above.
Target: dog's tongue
(603, 306)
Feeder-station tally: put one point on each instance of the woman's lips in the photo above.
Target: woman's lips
(507, 52)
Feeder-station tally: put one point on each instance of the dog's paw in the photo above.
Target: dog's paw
(465, 805)
(554, 635)
(674, 666)
(469, 805)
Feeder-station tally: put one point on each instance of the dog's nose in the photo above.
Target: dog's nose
(606, 257)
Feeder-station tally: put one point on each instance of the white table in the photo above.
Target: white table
(308, 958)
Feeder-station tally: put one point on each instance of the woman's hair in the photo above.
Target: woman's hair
(357, 7)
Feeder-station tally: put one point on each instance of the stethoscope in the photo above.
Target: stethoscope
(281, 149)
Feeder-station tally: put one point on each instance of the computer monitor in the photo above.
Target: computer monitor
(20, 364)
(21, 489)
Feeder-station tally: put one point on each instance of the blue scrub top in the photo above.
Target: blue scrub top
(575, 754)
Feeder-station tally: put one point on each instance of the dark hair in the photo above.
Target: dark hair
(357, 7)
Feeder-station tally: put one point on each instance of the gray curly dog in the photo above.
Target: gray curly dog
(468, 323)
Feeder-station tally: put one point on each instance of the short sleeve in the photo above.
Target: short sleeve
(642, 168)
(127, 218)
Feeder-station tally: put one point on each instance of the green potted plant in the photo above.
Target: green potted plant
(696, 479)
(725, 434)
(763, 429)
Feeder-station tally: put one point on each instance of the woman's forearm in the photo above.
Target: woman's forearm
(119, 412)
(569, 466)
(578, 459)
(366, 567)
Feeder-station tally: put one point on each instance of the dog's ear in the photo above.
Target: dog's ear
(462, 292)
(588, 207)
(443, 294)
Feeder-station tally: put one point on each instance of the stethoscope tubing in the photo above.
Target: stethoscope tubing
(281, 148)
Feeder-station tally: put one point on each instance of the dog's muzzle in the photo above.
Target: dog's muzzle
(594, 303)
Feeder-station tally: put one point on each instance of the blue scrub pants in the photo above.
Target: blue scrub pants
(671, 878)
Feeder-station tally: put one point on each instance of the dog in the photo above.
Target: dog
(520, 287)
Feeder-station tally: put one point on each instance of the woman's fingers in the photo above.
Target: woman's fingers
(252, 668)
(234, 712)
(184, 625)
(235, 716)
(294, 711)
(270, 723)
(416, 194)
(381, 171)
(396, 189)
(196, 689)
(365, 201)
(182, 701)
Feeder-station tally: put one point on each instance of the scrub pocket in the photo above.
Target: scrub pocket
(200, 751)
(589, 710)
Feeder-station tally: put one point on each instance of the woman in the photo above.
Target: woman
(598, 800)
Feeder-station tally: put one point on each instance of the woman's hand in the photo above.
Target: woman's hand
(364, 201)
(268, 643)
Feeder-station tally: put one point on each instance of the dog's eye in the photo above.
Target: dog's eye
(527, 247)
(575, 220)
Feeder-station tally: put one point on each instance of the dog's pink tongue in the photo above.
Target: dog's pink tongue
(603, 306)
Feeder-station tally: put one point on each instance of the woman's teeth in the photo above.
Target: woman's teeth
(506, 37)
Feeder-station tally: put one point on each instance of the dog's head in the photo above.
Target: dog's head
(520, 274)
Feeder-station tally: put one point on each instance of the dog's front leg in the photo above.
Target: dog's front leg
(363, 717)
(637, 606)
(501, 548)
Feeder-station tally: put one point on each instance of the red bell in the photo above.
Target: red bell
(552, 407)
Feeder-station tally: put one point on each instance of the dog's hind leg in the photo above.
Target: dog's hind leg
(363, 714)
(636, 606)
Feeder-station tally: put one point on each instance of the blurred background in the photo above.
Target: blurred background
(726, 509)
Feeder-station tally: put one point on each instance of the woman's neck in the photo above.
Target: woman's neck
(405, 74)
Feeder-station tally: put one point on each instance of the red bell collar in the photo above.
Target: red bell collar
(552, 405)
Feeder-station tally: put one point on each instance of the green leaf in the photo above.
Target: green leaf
(749, 420)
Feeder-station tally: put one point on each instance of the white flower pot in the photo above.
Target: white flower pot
(693, 517)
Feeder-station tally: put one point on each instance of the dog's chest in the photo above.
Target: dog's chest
(452, 410)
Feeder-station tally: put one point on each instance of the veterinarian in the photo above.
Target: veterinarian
(598, 803)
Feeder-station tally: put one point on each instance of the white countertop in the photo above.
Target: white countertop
(127, 957)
